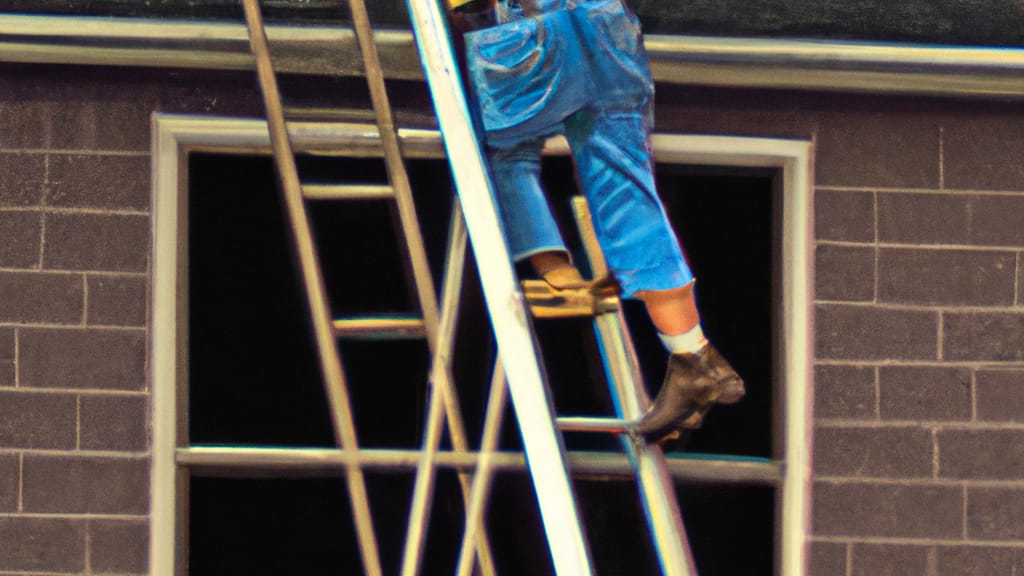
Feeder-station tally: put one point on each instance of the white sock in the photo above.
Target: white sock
(690, 342)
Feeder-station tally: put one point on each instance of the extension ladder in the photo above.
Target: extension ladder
(519, 362)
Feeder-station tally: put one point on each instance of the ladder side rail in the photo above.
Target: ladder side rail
(653, 480)
(440, 404)
(417, 261)
(423, 487)
(312, 275)
(484, 477)
(455, 268)
(397, 173)
(506, 306)
(661, 506)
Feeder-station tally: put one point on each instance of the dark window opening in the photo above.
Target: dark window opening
(254, 380)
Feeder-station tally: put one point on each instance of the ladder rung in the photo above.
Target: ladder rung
(404, 118)
(380, 327)
(594, 424)
(347, 191)
(546, 302)
(273, 461)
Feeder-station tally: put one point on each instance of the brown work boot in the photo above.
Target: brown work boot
(693, 383)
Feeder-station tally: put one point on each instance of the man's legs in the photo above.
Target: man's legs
(672, 311)
(615, 168)
(530, 228)
(697, 376)
(615, 171)
(610, 143)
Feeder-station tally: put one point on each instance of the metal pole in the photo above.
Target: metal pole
(485, 468)
(442, 401)
(312, 276)
(656, 489)
(505, 303)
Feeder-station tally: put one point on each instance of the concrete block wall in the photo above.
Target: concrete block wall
(74, 269)
(919, 374)
(919, 315)
(919, 325)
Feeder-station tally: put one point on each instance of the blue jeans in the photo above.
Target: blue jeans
(581, 72)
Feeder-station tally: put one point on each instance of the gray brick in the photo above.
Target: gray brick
(888, 560)
(41, 297)
(979, 560)
(866, 333)
(97, 181)
(7, 347)
(9, 474)
(223, 95)
(84, 485)
(844, 392)
(981, 454)
(994, 513)
(946, 277)
(23, 179)
(24, 124)
(827, 559)
(982, 152)
(891, 149)
(6, 344)
(1000, 395)
(114, 423)
(37, 420)
(98, 359)
(890, 452)
(995, 336)
(694, 110)
(113, 243)
(847, 216)
(114, 116)
(42, 544)
(923, 219)
(1020, 279)
(22, 232)
(886, 510)
(119, 546)
(116, 301)
(997, 220)
(921, 393)
(844, 273)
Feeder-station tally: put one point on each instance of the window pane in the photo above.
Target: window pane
(253, 376)
(271, 527)
(731, 529)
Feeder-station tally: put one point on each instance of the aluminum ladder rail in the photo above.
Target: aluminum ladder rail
(507, 308)
(518, 352)
(629, 397)
(444, 403)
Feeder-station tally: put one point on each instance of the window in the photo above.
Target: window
(241, 435)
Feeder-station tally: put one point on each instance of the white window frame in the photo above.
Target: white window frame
(175, 137)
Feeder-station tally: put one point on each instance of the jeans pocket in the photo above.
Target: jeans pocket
(614, 42)
(527, 70)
